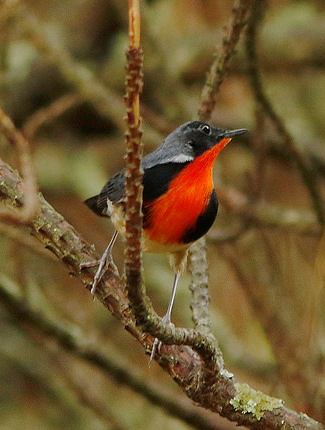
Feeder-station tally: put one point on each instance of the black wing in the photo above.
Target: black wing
(113, 191)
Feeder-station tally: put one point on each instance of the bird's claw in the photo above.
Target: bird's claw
(87, 264)
(155, 348)
(158, 343)
(104, 264)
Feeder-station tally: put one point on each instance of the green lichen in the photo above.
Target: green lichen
(250, 401)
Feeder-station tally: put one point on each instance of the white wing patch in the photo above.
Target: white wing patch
(179, 158)
(109, 208)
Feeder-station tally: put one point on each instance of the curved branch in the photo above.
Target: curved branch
(29, 206)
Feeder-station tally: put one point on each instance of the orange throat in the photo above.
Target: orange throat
(187, 197)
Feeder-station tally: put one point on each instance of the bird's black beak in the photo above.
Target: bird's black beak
(232, 133)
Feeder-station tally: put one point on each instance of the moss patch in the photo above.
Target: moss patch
(250, 401)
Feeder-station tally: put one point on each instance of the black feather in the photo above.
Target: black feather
(114, 190)
(95, 205)
(203, 222)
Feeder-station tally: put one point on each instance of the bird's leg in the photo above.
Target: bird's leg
(103, 263)
(166, 320)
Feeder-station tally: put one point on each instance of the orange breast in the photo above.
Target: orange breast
(186, 199)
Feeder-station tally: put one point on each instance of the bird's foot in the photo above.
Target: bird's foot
(104, 264)
(157, 343)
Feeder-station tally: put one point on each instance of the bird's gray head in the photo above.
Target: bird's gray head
(187, 142)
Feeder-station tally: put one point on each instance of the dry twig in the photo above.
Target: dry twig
(29, 207)
(140, 303)
(221, 64)
(265, 215)
(304, 165)
(49, 113)
(105, 101)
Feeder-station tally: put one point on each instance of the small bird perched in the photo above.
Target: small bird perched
(179, 199)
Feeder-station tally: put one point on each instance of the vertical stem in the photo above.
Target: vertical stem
(134, 173)
(215, 78)
(134, 41)
(134, 23)
(198, 266)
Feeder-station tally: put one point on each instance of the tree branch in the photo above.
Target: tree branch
(218, 71)
(204, 380)
(70, 338)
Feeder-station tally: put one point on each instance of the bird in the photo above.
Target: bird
(180, 203)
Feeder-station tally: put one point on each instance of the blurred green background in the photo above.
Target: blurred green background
(266, 270)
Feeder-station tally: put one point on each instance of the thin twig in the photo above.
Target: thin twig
(104, 100)
(139, 301)
(304, 165)
(221, 64)
(296, 366)
(49, 113)
(29, 207)
(198, 266)
(230, 235)
(266, 215)
(275, 149)
(218, 71)
(281, 337)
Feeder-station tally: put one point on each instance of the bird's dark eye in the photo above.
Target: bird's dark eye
(205, 129)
